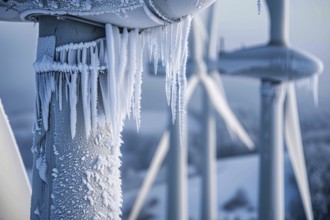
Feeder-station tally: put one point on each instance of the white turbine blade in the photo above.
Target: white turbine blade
(222, 107)
(213, 29)
(199, 35)
(191, 86)
(155, 165)
(217, 78)
(15, 190)
(295, 148)
(217, 98)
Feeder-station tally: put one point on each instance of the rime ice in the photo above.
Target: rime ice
(97, 65)
(97, 85)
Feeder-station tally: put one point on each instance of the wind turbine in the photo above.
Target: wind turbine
(278, 66)
(72, 57)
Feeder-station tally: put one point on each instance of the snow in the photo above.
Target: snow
(235, 175)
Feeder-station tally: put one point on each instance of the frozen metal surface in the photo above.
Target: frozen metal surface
(123, 13)
(276, 63)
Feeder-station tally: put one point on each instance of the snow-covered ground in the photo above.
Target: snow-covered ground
(233, 178)
(237, 181)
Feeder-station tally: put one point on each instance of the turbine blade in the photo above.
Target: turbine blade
(221, 106)
(15, 190)
(199, 37)
(213, 29)
(217, 78)
(295, 148)
(217, 98)
(191, 86)
(155, 165)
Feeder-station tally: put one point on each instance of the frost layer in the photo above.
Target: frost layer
(98, 84)
(107, 74)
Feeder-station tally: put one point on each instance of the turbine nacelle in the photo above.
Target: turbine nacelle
(129, 13)
(274, 63)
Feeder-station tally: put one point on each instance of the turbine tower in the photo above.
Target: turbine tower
(278, 66)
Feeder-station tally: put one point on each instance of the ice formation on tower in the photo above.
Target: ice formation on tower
(114, 67)
(98, 84)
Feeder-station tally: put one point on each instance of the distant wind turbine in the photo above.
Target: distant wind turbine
(278, 66)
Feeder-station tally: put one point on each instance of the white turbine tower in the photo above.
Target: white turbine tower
(278, 66)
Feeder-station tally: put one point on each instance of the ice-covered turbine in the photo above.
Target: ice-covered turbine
(85, 90)
(278, 65)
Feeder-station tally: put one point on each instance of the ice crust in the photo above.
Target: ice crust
(107, 74)
(82, 7)
(106, 77)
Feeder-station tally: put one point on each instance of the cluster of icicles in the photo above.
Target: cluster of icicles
(109, 73)
(311, 84)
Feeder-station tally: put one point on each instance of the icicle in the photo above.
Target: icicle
(45, 94)
(315, 88)
(138, 84)
(310, 84)
(94, 82)
(60, 92)
(85, 93)
(112, 85)
(105, 96)
(182, 75)
(123, 53)
(73, 103)
(132, 68)
(66, 87)
(100, 51)
(156, 57)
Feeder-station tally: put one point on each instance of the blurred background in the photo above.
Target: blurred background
(241, 26)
